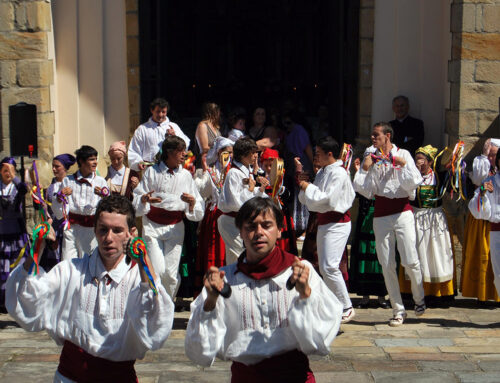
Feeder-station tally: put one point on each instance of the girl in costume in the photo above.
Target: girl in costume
(433, 238)
(121, 179)
(52, 253)
(13, 235)
(477, 272)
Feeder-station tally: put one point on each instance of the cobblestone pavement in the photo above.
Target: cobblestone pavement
(460, 344)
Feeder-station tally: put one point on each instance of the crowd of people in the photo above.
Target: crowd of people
(240, 202)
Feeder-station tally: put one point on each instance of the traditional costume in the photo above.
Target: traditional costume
(104, 320)
(163, 227)
(211, 249)
(487, 207)
(288, 241)
(433, 238)
(264, 328)
(234, 194)
(477, 279)
(119, 181)
(13, 235)
(331, 196)
(147, 140)
(80, 208)
(52, 253)
(393, 220)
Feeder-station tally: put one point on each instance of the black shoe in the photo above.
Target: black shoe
(363, 305)
(382, 303)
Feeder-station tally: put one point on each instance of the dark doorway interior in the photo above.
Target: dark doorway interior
(252, 52)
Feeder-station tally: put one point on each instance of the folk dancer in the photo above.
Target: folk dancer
(166, 194)
(77, 201)
(148, 137)
(477, 273)
(99, 307)
(331, 196)
(238, 188)
(267, 325)
(391, 176)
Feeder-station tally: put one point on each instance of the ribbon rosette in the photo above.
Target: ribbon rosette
(105, 192)
(137, 250)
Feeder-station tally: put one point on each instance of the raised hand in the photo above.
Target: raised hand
(213, 282)
(300, 278)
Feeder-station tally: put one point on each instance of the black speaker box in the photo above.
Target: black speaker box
(23, 133)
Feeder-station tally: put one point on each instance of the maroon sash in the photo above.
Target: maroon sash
(82, 220)
(333, 217)
(495, 226)
(164, 217)
(388, 206)
(78, 365)
(231, 214)
(290, 367)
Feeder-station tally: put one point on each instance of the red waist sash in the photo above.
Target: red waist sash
(82, 220)
(290, 367)
(78, 365)
(164, 217)
(389, 206)
(333, 217)
(495, 226)
(231, 214)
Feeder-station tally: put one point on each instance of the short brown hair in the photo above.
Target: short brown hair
(116, 204)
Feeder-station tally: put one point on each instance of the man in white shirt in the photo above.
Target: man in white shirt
(82, 192)
(331, 196)
(148, 137)
(239, 187)
(278, 312)
(100, 307)
(391, 176)
(165, 195)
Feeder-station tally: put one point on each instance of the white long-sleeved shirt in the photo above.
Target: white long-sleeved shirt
(480, 169)
(332, 190)
(235, 193)
(118, 321)
(147, 140)
(83, 200)
(262, 318)
(206, 184)
(169, 187)
(388, 181)
(490, 209)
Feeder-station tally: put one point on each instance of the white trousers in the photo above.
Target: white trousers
(495, 257)
(78, 240)
(232, 239)
(331, 240)
(165, 251)
(401, 227)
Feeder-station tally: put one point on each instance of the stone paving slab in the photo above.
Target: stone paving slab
(413, 377)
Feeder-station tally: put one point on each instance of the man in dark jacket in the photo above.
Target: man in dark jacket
(408, 131)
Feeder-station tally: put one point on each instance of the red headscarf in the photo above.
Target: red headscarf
(269, 154)
(269, 266)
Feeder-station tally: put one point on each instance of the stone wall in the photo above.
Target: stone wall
(26, 73)
(366, 28)
(474, 73)
(133, 70)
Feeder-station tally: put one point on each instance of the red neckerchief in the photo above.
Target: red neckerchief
(273, 264)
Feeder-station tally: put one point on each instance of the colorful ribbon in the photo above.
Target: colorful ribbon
(64, 200)
(138, 250)
(347, 157)
(40, 232)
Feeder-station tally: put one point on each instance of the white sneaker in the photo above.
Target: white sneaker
(397, 320)
(347, 315)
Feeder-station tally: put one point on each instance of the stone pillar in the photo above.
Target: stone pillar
(366, 27)
(474, 73)
(133, 72)
(26, 72)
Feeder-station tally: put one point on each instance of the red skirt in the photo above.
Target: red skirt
(288, 241)
(290, 367)
(211, 249)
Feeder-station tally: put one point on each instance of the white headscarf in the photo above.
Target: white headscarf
(220, 143)
(495, 142)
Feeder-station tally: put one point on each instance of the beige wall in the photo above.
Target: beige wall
(412, 46)
(91, 73)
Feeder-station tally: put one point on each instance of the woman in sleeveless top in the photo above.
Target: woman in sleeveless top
(209, 128)
(121, 180)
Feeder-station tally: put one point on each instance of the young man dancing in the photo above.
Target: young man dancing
(267, 325)
(331, 196)
(391, 176)
(100, 307)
